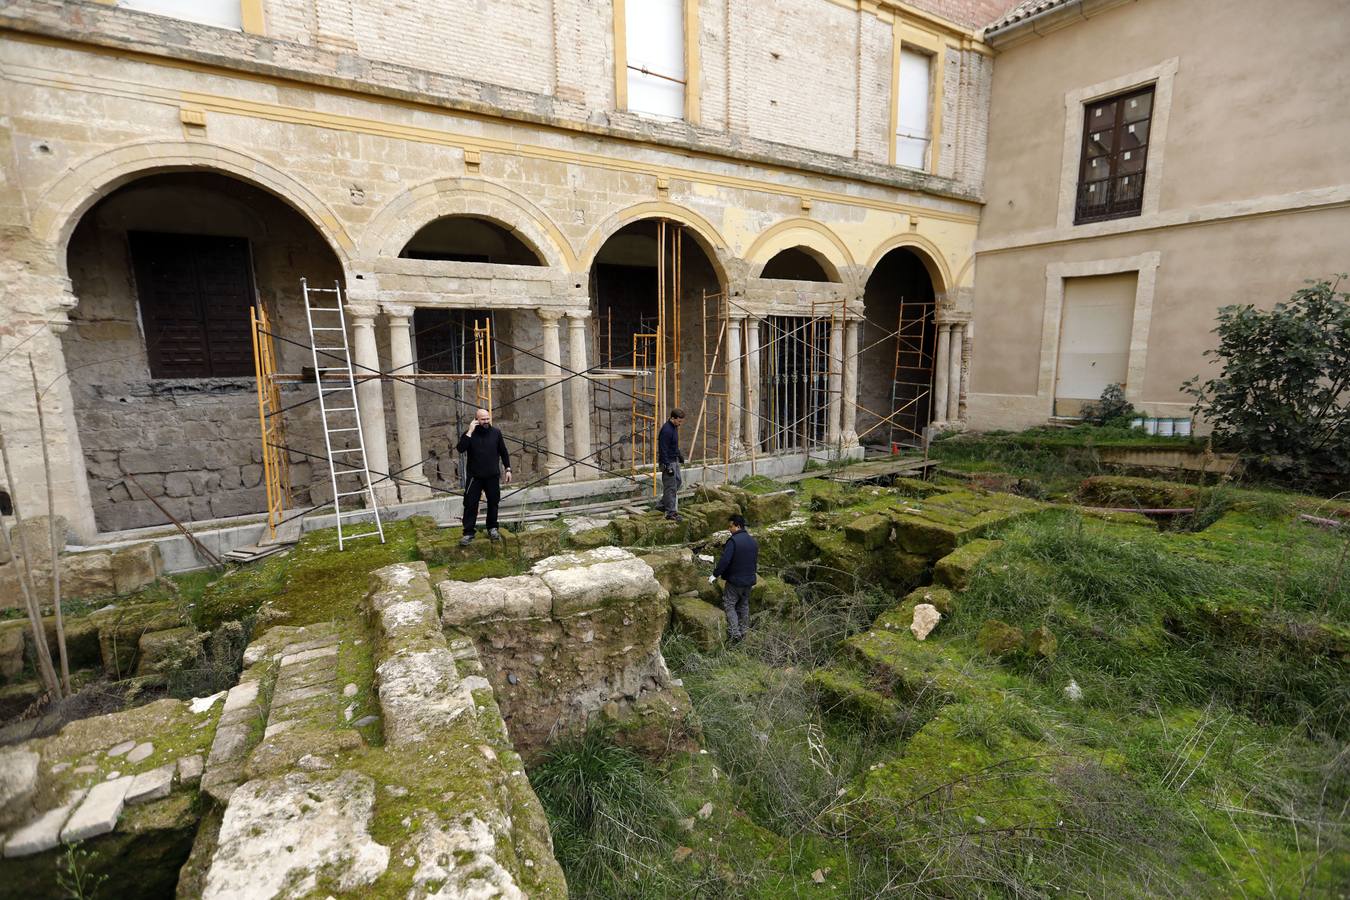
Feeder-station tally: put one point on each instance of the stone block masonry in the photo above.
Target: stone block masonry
(555, 663)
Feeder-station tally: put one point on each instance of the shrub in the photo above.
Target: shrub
(1283, 396)
(1111, 408)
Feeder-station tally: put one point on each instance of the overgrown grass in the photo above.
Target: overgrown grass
(613, 819)
(1145, 617)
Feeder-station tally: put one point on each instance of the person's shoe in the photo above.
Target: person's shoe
(494, 534)
(674, 517)
(735, 639)
(466, 540)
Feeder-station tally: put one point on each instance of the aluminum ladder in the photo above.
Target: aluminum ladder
(329, 338)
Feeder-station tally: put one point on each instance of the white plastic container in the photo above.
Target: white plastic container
(1182, 428)
(1150, 426)
(1164, 428)
(1137, 422)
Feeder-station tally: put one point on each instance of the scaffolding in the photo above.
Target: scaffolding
(275, 460)
(713, 425)
(912, 377)
(800, 401)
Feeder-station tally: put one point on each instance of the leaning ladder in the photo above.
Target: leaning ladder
(333, 333)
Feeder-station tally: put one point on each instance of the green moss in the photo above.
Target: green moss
(955, 569)
(314, 582)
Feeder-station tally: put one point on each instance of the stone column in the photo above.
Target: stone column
(849, 426)
(553, 397)
(735, 398)
(836, 382)
(954, 348)
(370, 399)
(412, 482)
(581, 395)
(752, 385)
(34, 312)
(941, 372)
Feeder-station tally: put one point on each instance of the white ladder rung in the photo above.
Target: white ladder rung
(328, 328)
(326, 349)
(354, 512)
(342, 409)
(336, 430)
(352, 537)
(352, 494)
(347, 450)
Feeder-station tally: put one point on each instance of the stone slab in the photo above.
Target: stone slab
(140, 752)
(515, 597)
(321, 821)
(44, 832)
(99, 812)
(292, 659)
(190, 769)
(152, 785)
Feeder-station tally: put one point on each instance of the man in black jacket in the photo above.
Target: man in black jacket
(482, 448)
(739, 567)
(669, 457)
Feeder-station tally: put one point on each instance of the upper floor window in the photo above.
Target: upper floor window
(655, 56)
(221, 13)
(914, 118)
(1115, 150)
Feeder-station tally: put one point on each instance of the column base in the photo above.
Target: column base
(411, 493)
(386, 493)
(849, 439)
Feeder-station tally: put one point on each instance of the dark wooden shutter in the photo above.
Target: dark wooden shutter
(195, 292)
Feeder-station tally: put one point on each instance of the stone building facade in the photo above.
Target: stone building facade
(446, 167)
(1245, 192)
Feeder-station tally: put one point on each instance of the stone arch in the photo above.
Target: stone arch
(63, 204)
(702, 231)
(929, 253)
(403, 216)
(808, 235)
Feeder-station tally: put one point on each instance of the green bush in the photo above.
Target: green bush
(1283, 395)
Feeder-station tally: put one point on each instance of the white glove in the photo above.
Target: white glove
(712, 579)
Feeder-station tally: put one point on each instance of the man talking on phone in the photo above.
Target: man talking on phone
(483, 450)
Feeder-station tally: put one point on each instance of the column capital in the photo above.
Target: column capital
(363, 313)
(396, 311)
(578, 317)
(549, 316)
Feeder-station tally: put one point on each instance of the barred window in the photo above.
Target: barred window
(1115, 152)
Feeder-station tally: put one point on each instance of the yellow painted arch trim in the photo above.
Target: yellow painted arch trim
(800, 232)
(931, 256)
(708, 237)
(403, 216)
(62, 205)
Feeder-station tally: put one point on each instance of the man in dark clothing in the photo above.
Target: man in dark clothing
(738, 567)
(669, 457)
(482, 448)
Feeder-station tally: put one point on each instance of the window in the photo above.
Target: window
(445, 339)
(654, 38)
(195, 293)
(914, 120)
(221, 13)
(1115, 150)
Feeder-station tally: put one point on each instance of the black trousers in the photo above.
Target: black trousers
(476, 488)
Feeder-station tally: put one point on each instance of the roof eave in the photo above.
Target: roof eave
(1046, 21)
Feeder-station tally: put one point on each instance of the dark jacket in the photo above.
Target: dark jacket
(668, 445)
(740, 560)
(484, 448)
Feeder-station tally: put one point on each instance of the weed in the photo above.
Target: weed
(74, 876)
